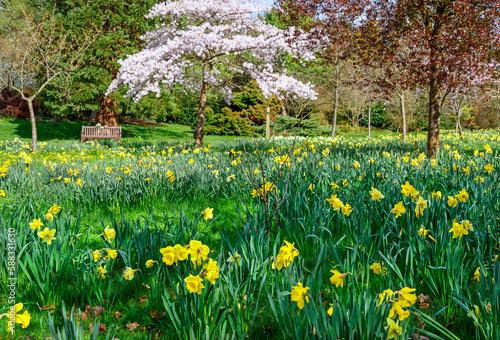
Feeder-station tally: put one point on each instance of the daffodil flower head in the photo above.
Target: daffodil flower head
(299, 294)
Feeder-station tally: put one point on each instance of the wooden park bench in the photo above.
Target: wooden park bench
(93, 132)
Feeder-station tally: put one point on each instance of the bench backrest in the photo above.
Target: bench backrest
(94, 131)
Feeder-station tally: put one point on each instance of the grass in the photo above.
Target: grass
(21, 128)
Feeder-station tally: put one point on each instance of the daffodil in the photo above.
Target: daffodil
(394, 329)
(208, 213)
(49, 217)
(198, 252)
(150, 263)
(406, 294)
(211, 270)
(109, 233)
(477, 274)
(462, 196)
(101, 271)
(298, 294)
(129, 273)
(346, 209)
(234, 258)
(377, 268)
(55, 209)
(112, 253)
(47, 235)
(338, 278)
(376, 195)
(458, 230)
(397, 310)
(407, 189)
(398, 209)
(335, 203)
(385, 295)
(36, 224)
(23, 319)
(452, 201)
(194, 284)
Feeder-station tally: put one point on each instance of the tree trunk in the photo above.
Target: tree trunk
(108, 113)
(283, 109)
(34, 136)
(369, 120)
(335, 110)
(434, 116)
(199, 132)
(55, 118)
(268, 122)
(403, 113)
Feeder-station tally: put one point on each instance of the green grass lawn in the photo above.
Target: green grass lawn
(21, 128)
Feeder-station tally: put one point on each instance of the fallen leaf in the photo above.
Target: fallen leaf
(97, 310)
(423, 298)
(142, 299)
(118, 315)
(48, 307)
(132, 326)
(416, 336)
(102, 328)
(155, 315)
(145, 285)
(84, 316)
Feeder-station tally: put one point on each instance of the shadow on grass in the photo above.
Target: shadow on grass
(47, 131)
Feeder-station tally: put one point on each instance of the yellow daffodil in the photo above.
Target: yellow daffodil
(462, 196)
(397, 310)
(129, 273)
(393, 328)
(150, 263)
(338, 278)
(47, 235)
(101, 271)
(23, 319)
(198, 252)
(458, 230)
(452, 201)
(298, 294)
(49, 217)
(346, 209)
(109, 233)
(36, 224)
(335, 203)
(376, 195)
(211, 270)
(386, 295)
(194, 284)
(234, 258)
(398, 209)
(477, 274)
(377, 268)
(208, 213)
(55, 209)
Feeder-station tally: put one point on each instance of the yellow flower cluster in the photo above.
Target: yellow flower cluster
(287, 254)
(198, 253)
(337, 204)
(266, 188)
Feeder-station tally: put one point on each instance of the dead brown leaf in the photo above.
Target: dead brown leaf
(143, 299)
(102, 328)
(132, 326)
(416, 336)
(97, 310)
(118, 315)
(48, 307)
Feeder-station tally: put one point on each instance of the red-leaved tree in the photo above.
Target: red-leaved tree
(443, 39)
